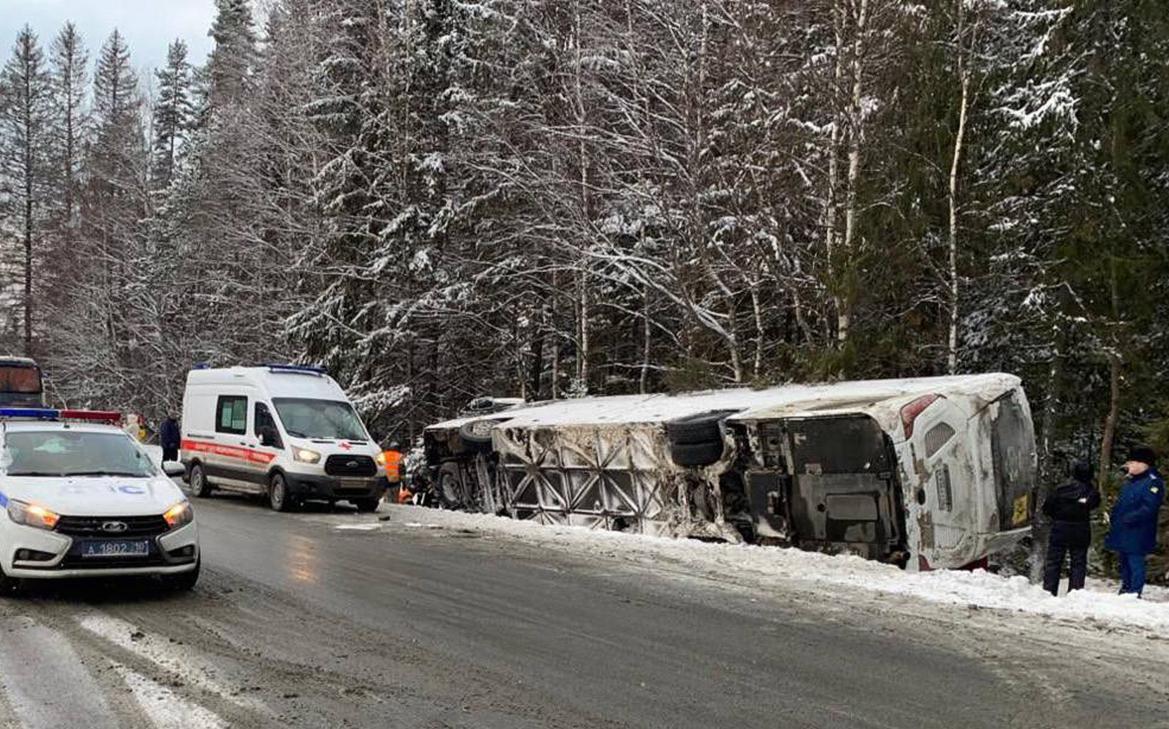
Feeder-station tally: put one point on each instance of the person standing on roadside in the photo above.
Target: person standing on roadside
(169, 439)
(1070, 507)
(1133, 523)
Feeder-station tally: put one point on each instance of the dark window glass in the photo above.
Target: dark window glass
(265, 426)
(21, 378)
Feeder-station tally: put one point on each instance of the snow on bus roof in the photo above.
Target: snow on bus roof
(785, 400)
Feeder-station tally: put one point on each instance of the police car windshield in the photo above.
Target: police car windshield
(324, 419)
(74, 453)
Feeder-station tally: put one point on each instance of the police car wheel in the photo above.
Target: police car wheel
(9, 585)
(278, 497)
(199, 485)
(183, 581)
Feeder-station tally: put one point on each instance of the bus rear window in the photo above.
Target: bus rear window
(20, 379)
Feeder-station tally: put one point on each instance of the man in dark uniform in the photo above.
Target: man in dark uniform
(1070, 507)
(1133, 522)
(169, 438)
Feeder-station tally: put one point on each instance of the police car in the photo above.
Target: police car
(80, 498)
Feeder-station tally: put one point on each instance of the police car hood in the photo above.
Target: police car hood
(96, 495)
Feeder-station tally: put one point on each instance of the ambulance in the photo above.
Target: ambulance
(287, 433)
(81, 498)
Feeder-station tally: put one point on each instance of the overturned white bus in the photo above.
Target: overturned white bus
(925, 473)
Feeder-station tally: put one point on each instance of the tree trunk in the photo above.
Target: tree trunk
(757, 312)
(833, 163)
(1114, 370)
(643, 384)
(955, 166)
(855, 138)
(1109, 435)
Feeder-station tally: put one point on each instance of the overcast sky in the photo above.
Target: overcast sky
(148, 25)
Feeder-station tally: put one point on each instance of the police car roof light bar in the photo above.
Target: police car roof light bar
(302, 369)
(29, 413)
(95, 416)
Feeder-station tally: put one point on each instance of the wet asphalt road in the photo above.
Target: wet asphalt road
(303, 620)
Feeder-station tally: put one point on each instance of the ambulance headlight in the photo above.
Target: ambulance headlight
(32, 515)
(181, 514)
(380, 458)
(304, 455)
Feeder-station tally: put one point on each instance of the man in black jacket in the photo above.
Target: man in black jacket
(1069, 507)
(169, 438)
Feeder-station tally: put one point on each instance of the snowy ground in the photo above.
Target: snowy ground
(771, 568)
(775, 568)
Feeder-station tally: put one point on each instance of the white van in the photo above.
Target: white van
(283, 431)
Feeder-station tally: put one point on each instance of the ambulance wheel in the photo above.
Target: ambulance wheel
(278, 496)
(198, 479)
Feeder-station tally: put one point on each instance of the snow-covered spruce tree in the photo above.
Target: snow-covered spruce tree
(99, 353)
(173, 115)
(69, 62)
(25, 144)
(231, 271)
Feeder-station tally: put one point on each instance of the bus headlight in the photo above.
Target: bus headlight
(32, 515)
(304, 455)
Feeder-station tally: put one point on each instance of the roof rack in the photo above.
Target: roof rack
(53, 414)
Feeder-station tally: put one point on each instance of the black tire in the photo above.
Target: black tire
(184, 581)
(278, 497)
(200, 486)
(697, 429)
(697, 455)
(476, 435)
(9, 586)
(366, 505)
(450, 489)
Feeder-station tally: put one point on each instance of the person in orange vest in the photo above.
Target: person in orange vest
(393, 456)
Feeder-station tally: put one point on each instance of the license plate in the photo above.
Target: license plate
(115, 549)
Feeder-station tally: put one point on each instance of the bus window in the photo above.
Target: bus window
(20, 383)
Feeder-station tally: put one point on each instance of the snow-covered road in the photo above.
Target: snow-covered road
(772, 568)
(418, 618)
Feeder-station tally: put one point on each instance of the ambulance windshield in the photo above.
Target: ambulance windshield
(322, 419)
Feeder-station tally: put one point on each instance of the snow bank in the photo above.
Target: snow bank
(776, 568)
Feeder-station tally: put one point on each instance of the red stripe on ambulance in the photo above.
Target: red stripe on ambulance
(243, 454)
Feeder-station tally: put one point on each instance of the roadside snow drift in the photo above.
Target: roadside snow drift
(772, 568)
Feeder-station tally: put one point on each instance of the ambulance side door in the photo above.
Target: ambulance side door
(229, 465)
